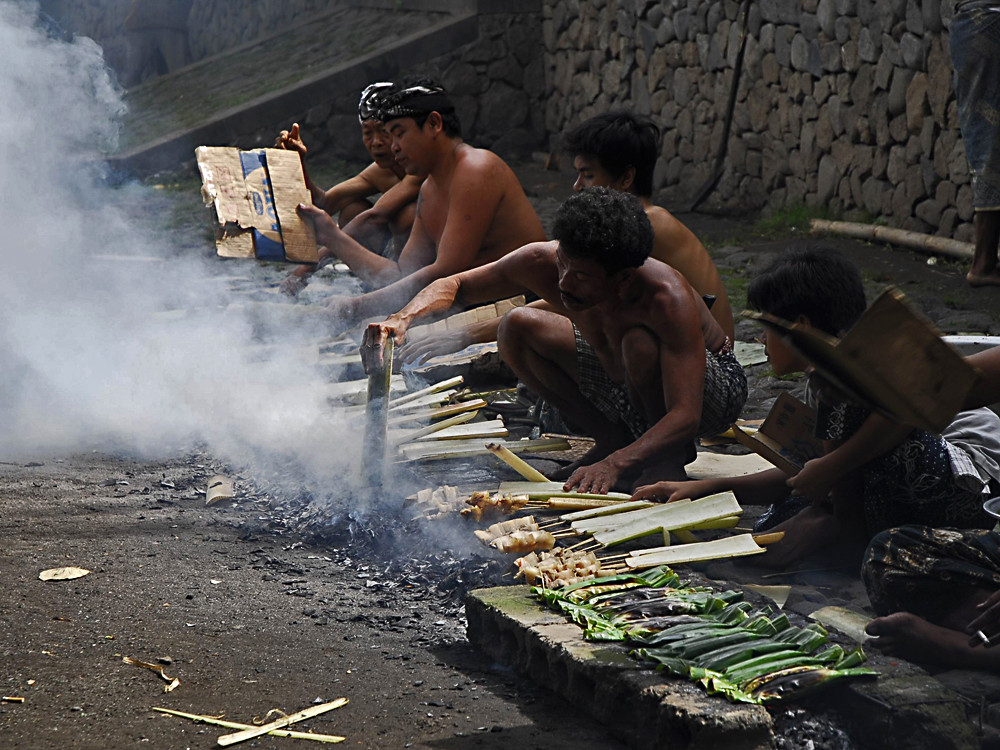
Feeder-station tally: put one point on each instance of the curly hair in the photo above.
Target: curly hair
(608, 226)
(813, 280)
(619, 140)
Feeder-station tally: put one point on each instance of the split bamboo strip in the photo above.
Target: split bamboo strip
(535, 489)
(472, 448)
(308, 713)
(430, 401)
(493, 429)
(730, 546)
(441, 386)
(517, 464)
(291, 734)
(409, 437)
(916, 240)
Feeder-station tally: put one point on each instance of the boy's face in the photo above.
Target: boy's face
(590, 173)
(377, 142)
(411, 143)
(782, 357)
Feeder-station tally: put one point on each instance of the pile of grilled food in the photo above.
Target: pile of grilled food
(712, 638)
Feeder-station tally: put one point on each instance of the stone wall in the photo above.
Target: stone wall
(498, 83)
(846, 104)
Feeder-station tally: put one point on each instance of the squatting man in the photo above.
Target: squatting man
(627, 350)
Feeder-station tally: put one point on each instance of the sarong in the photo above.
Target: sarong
(926, 570)
(722, 401)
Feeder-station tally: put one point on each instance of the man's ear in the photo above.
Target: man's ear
(435, 122)
(626, 181)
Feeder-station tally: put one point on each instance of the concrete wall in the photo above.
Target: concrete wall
(842, 103)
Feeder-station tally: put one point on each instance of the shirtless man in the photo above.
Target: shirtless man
(618, 150)
(471, 209)
(615, 150)
(391, 217)
(627, 351)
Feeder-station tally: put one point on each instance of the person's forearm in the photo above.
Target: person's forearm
(763, 488)
(404, 298)
(876, 437)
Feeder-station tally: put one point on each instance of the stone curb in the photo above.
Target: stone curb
(508, 625)
(903, 708)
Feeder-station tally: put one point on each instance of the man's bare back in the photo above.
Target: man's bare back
(677, 246)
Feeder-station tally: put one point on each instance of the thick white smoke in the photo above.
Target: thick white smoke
(86, 358)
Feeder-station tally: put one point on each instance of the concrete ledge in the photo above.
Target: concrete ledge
(641, 705)
(237, 124)
(455, 6)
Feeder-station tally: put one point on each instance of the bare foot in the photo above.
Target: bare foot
(991, 278)
(915, 639)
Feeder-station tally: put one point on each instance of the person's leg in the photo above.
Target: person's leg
(925, 584)
(351, 210)
(540, 347)
(984, 271)
(645, 383)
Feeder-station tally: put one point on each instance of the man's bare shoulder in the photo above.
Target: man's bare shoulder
(666, 224)
(536, 252)
(380, 178)
(472, 163)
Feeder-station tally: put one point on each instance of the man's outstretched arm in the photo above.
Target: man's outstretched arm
(513, 274)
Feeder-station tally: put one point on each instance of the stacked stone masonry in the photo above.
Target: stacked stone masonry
(844, 104)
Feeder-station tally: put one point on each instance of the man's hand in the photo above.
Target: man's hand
(373, 342)
(672, 491)
(340, 315)
(291, 140)
(986, 627)
(597, 478)
(816, 479)
(432, 345)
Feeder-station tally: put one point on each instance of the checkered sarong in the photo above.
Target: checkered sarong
(722, 400)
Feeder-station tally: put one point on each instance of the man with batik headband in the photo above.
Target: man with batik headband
(383, 227)
(471, 209)
(975, 53)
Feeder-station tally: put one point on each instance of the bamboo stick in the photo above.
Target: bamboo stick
(915, 240)
(518, 464)
(291, 734)
(377, 419)
(441, 386)
(308, 713)
(436, 427)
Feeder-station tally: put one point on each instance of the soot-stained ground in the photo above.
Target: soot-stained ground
(286, 598)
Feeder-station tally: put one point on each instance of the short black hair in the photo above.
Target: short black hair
(450, 123)
(619, 139)
(811, 280)
(608, 226)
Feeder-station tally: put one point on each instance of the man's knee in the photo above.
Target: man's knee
(519, 327)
